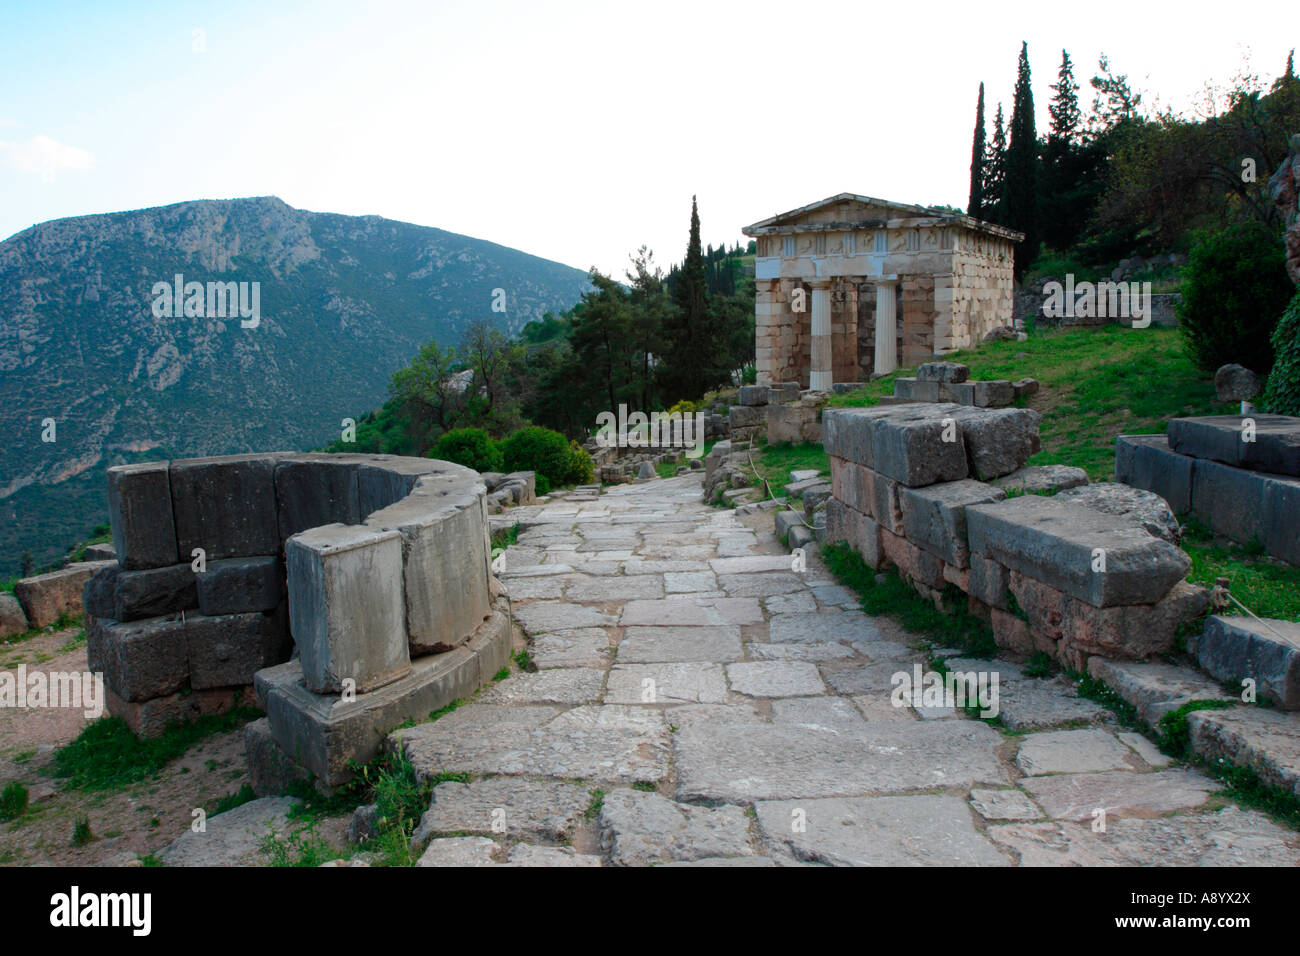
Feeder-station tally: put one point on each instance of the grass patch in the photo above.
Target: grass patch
(240, 797)
(1267, 588)
(597, 802)
(775, 462)
(13, 801)
(505, 537)
(524, 661)
(1244, 786)
(81, 834)
(107, 756)
(1176, 735)
(953, 627)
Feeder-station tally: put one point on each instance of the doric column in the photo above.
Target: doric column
(821, 373)
(886, 329)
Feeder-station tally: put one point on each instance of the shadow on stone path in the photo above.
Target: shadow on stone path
(699, 702)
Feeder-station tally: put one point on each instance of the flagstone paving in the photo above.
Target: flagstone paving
(697, 701)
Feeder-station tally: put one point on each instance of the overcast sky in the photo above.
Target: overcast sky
(574, 131)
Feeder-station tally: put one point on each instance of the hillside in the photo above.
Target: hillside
(344, 301)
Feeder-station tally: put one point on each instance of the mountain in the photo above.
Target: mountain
(89, 339)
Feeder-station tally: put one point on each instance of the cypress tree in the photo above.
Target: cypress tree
(975, 206)
(1066, 193)
(691, 365)
(1020, 189)
(995, 173)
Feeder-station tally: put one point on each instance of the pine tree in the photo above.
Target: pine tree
(1065, 104)
(1020, 189)
(995, 175)
(1064, 198)
(692, 363)
(975, 205)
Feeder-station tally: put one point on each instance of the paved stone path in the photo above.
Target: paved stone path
(699, 702)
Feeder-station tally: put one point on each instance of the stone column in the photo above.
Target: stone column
(821, 373)
(886, 329)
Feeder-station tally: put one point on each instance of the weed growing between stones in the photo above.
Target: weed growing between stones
(1099, 692)
(524, 661)
(304, 847)
(13, 801)
(1040, 664)
(1175, 733)
(81, 834)
(890, 594)
(597, 802)
(1244, 786)
(241, 796)
(505, 537)
(107, 756)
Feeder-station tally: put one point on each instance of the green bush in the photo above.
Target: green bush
(13, 801)
(471, 447)
(581, 469)
(1282, 393)
(1234, 288)
(541, 450)
(542, 486)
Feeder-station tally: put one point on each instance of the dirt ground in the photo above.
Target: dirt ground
(126, 823)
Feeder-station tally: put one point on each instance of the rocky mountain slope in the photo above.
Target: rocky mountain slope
(343, 301)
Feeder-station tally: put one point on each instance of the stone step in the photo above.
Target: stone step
(1243, 648)
(1266, 741)
(1273, 446)
(1153, 690)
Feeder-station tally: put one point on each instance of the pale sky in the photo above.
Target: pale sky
(574, 131)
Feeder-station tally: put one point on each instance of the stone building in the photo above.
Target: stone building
(882, 284)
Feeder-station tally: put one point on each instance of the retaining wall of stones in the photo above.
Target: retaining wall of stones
(1243, 484)
(356, 565)
(940, 492)
(782, 412)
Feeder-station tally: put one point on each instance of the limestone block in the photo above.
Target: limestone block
(445, 564)
(934, 518)
(151, 718)
(1229, 500)
(225, 505)
(140, 660)
(346, 606)
(1224, 438)
(911, 446)
(1033, 479)
(227, 650)
(1268, 652)
(949, 372)
(271, 771)
(312, 490)
(751, 395)
(998, 441)
(748, 416)
(152, 593)
(994, 394)
(962, 393)
(1131, 631)
(1143, 507)
(918, 565)
(1147, 461)
(237, 585)
(383, 479)
(97, 594)
(1061, 543)
(47, 597)
(140, 514)
(988, 582)
(1281, 518)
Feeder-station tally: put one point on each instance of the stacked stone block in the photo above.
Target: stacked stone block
(914, 486)
(1239, 475)
(948, 382)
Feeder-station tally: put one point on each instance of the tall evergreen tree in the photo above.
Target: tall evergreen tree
(1066, 192)
(1020, 190)
(692, 363)
(1065, 104)
(995, 175)
(975, 205)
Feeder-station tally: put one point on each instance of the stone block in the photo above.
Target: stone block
(961, 393)
(948, 372)
(238, 585)
(1266, 741)
(324, 734)
(140, 660)
(47, 597)
(100, 552)
(751, 395)
(915, 564)
(271, 772)
(346, 606)
(312, 490)
(883, 495)
(1147, 461)
(994, 394)
(1229, 500)
(153, 593)
(1033, 479)
(226, 506)
(784, 521)
(97, 594)
(813, 497)
(1268, 652)
(445, 563)
(1281, 518)
(1224, 438)
(748, 416)
(150, 718)
(910, 446)
(934, 518)
(1060, 543)
(780, 393)
(989, 582)
(227, 650)
(1145, 508)
(1155, 689)
(998, 441)
(140, 514)
(1127, 631)
(383, 480)
(12, 618)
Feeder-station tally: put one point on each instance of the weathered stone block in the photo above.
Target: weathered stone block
(998, 441)
(150, 718)
(226, 505)
(153, 593)
(445, 564)
(346, 606)
(238, 585)
(140, 514)
(1145, 508)
(324, 734)
(97, 594)
(989, 581)
(934, 518)
(312, 490)
(140, 660)
(1267, 652)
(1033, 479)
(1147, 461)
(751, 395)
(1061, 543)
(1281, 518)
(962, 393)
(784, 521)
(1224, 438)
(948, 372)
(912, 446)
(1229, 500)
(1131, 631)
(915, 564)
(994, 394)
(47, 597)
(748, 416)
(12, 619)
(883, 495)
(1266, 741)
(383, 480)
(271, 772)
(227, 650)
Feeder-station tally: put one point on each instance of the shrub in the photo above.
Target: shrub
(541, 450)
(541, 485)
(685, 407)
(1234, 288)
(471, 447)
(748, 375)
(1282, 393)
(13, 801)
(581, 469)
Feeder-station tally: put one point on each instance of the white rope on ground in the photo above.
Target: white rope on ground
(749, 454)
(1252, 613)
